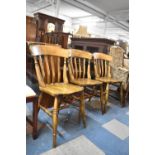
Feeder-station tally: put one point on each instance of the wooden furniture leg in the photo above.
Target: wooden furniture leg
(122, 95)
(82, 109)
(34, 100)
(101, 100)
(35, 118)
(106, 96)
(55, 121)
(126, 93)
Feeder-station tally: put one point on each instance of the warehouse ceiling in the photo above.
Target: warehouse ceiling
(109, 17)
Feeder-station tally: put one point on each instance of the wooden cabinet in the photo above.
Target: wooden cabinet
(60, 38)
(92, 44)
(56, 37)
(42, 21)
(36, 30)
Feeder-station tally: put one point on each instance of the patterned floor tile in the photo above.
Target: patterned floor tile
(117, 128)
(78, 146)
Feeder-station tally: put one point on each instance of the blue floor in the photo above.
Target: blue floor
(70, 129)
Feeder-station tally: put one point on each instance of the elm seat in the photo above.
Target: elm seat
(86, 82)
(60, 89)
(108, 79)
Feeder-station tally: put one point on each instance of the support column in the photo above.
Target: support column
(57, 7)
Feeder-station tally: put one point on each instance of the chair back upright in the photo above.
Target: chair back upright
(79, 65)
(102, 64)
(50, 63)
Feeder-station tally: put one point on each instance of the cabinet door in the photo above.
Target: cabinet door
(30, 29)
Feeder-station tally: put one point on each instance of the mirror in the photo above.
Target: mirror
(50, 27)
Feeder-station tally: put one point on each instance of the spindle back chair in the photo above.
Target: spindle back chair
(53, 80)
(79, 73)
(103, 73)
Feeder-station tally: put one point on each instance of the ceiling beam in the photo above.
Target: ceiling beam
(40, 8)
(87, 16)
(96, 12)
(57, 7)
(41, 4)
(84, 7)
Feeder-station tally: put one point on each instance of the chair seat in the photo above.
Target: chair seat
(61, 89)
(86, 82)
(108, 80)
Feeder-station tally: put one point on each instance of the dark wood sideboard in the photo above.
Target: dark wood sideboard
(92, 44)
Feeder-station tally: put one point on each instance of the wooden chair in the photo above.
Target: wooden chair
(53, 81)
(79, 73)
(102, 73)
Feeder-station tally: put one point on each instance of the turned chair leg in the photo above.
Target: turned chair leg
(39, 100)
(55, 121)
(126, 95)
(82, 110)
(101, 100)
(79, 119)
(122, 95)
(35, 118)
(106, 95)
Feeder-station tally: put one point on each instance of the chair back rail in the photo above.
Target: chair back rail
(52, 50)
(102, 64)
(48, 65)
(79, 65)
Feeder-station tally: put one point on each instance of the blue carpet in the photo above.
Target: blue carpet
(70, 129)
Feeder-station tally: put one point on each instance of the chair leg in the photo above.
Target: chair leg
(122, 95)
(35, 118)
(94, 89)
(126, 95)
(101, 100)
(55, 121)
(39, 100)
(106, 95)
(82, 109)
(79, 119)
